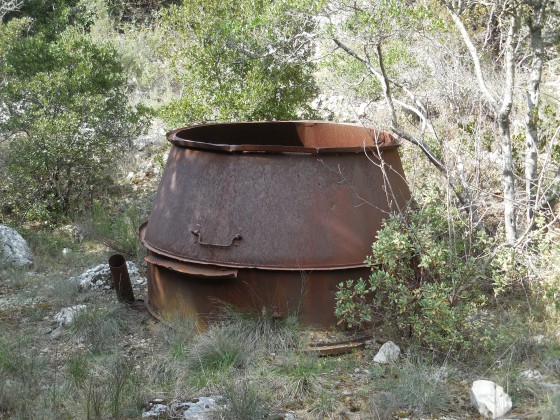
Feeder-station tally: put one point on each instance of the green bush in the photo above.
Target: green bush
(241, 60)
(66, 118)
(427, 268)
(119, 231)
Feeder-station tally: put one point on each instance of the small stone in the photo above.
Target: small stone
(66, 251)
(198, 408)
(56, 333)
(531, 374)
(388, 353)
(552, 387)
(538, 339)
(156, 410)
(490, 399)
(66, 316)
(45, 330)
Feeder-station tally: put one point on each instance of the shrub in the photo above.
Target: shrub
(119, 231)
(426, 270)
(100, 328)
(272, 334)
(244, 60)
(65, 110)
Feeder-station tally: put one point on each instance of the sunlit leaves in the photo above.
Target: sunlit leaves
(245, 60)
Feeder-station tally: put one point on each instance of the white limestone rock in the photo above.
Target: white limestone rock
(66, 316)
(14, 250)
(155, 410)
(203, 408)
(200, 408)
(388, 353)
(531, 374)
(99, 277)
(490, 399)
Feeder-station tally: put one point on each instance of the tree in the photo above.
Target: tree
(244, 60)
(367, 30)
(501, 106)
(493, 37)
(66, 118)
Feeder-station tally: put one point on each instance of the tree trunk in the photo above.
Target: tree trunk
(508, 179)
(502, 109)
(532, 117)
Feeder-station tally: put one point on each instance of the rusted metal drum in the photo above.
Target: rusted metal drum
(268, 216)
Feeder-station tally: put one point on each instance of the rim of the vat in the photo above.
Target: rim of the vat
(384, 139)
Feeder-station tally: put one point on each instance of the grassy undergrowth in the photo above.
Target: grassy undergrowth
(112, 360)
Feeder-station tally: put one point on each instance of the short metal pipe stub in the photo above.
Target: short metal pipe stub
(121, 279)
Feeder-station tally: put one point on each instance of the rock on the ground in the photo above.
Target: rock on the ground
(66, 316)
(99, 277)
(490, 399)
(155, 410)
(388, 353)
(198, 409)
(203, 408)
(13, 248)
(532, 374)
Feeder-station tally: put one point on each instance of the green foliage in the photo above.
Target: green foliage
(136, 10)
(551, 409)
(20, 370)
(50, 17)
(66, 117)
(272, 334)
(118, 230)
(546, 282)
(362, 26)
(244, 60)
(427, 268)
(302, 371)
(214, 354)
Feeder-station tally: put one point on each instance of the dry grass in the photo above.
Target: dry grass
(112, 360)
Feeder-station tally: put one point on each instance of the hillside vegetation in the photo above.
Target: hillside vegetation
(467, 279)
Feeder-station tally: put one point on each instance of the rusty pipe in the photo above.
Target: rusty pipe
(121, 279)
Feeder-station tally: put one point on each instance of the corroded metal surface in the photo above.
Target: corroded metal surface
(276, 210)
(121, 278)
(291, 207)
(309, 295)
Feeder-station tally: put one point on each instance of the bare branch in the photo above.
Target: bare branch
(7, 6)
(474, 57)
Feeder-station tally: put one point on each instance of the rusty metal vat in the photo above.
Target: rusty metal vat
(268, 216)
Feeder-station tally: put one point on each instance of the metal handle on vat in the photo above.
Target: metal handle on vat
(197, 233)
